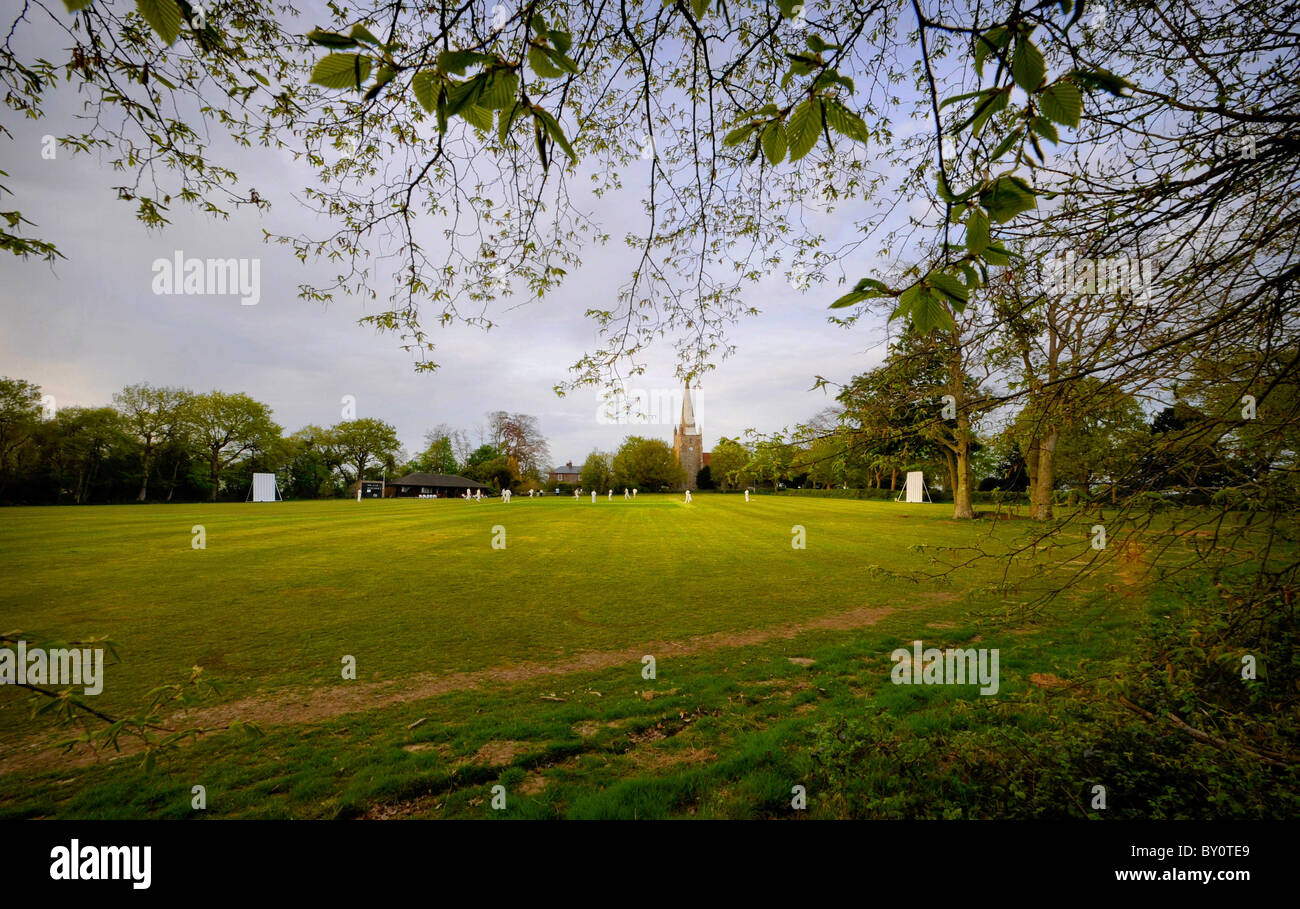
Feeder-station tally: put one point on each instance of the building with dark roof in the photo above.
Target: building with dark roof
(566, 474)
(442, 485)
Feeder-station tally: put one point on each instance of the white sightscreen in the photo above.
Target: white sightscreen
(915, 486)
(264, 487)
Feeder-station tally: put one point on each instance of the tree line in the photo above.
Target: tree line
(165, 444)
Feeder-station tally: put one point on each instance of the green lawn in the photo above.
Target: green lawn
(519, 667)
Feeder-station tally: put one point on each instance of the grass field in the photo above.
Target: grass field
(521, 666)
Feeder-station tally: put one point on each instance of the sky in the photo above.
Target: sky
(90, 324)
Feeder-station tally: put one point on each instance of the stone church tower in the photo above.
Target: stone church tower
(688, 442)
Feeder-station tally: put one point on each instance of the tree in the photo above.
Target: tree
(312, 463)
(597, 472)
(20, 411)
(771, 462)
(821, 449)
(489, 464)
(364, 443)
(225, 427)
(517, 436)
(728, 463)
(647, 464)
(80, 441)
(152, 413)
(1101, 438)
(704, 478)
(917, 408)
(439, 455)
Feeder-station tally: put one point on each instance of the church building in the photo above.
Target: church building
(688, 442)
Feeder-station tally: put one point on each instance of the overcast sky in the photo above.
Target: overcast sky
(90, 324)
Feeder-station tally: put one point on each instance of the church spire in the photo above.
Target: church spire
(688, 414)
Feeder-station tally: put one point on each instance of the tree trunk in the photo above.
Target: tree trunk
(893, 479)
(1031, 466)
(176, 469)
(147, 465)
(215, 476)
(950, 461)
(1041, 509)
(961, 503)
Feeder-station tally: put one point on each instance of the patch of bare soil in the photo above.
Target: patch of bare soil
(1048, 680)
(310, 705)
(498, 754)
(652, 758)
(416, 747)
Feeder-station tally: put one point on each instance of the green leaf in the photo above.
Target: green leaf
(995, 254)
(384, 76)
(1027, 65)
(739, 134)
(461, 95)
(1005, 145)
(963, 97)
(361, 33)
(457, 61)
(1062, 102)
(699, 8)
(1008, 197)
(330, 39)
(996, 101)
(865, 289)
(74, 6)
(774, 142)
(562, 40)
(845, 121)
(1095, 79)
(478, 117)
(552, 127)
(977, 231)
(944, 192)
(925, 309)
(541, 63)
(803, 128)
(422, 86)
(1045, 128)
(564, 63)
(163, 16)
(952, 289)
(501, 89)
(341, 71)
(506, 119)
(995, 39)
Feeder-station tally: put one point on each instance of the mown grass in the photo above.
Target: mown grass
(283, 591)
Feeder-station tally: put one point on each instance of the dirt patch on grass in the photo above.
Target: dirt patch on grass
(532, 784)
(417, 747)
(299, 706)
(406, 808)
(650, 694)
(498, 754)
(652, 758)
(1048, 680)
